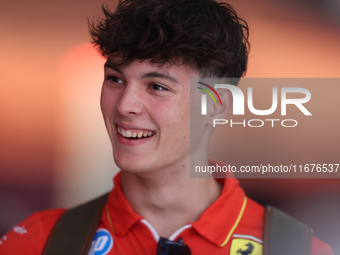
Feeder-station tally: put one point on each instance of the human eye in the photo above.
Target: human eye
(113, 79)
(158, 87)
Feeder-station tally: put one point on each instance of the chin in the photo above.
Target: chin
(131, 165)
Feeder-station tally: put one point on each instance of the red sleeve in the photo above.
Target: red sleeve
(321, 248)
(30, 236)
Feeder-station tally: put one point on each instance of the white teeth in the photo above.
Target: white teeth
(128, 133)
(121, 131)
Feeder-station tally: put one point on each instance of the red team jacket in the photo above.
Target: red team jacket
(226, 227)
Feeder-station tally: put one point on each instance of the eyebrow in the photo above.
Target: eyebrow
(111, 65)
(160, 75)
(154, 74)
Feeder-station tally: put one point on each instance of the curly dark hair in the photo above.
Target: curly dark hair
(206, 35)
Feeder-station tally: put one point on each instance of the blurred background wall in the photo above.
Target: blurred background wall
(54, 150)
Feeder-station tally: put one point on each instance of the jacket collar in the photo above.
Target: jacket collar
(226, 211)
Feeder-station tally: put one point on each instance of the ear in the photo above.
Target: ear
(219, 111)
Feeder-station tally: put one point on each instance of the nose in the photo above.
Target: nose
(130, 101)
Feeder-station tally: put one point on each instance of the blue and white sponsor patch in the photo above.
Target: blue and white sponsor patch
(102, 242)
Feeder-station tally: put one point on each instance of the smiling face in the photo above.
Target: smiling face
(146, 108)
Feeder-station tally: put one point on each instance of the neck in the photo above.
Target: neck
(168, 198)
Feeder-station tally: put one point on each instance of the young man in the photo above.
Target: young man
(154, 48)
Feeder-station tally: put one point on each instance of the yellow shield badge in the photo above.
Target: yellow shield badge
(247, 245)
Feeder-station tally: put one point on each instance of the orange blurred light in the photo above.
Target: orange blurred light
(79, 72)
